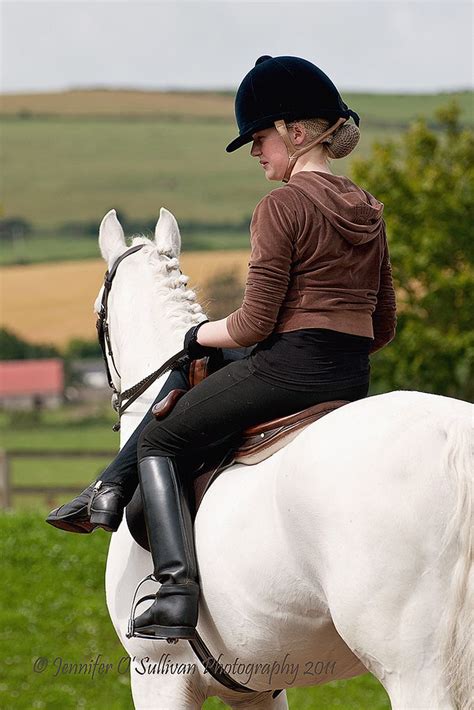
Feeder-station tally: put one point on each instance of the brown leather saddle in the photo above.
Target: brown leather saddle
(256, 444)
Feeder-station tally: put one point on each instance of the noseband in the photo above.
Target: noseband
(122, 400)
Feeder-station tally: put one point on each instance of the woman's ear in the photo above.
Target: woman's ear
(297, 133)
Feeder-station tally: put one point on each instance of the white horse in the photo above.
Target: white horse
(345, 551)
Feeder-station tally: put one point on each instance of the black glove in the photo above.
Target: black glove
(192, 348)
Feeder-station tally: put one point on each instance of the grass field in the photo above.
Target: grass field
(65, 430)
(53, 607)
(156, 104)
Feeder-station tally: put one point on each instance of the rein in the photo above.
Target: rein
(121, 401)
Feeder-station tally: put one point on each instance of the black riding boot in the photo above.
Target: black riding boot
(174, 612)
(100, 505)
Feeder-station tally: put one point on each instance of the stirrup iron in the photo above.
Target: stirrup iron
(131, 633)
(131, 624)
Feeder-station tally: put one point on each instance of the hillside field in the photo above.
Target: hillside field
(72, 156)
(52, 303)
(208, 105)
(62, 170)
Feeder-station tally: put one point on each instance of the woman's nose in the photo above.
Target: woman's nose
(255, 150)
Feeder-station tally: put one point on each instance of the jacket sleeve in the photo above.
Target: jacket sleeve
(384, 318)
(272, 239)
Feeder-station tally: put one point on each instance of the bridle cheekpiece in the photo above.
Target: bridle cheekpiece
(121, 401)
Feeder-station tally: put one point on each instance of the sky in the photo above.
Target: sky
(363, 45)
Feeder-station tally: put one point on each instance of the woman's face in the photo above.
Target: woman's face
(272, 153)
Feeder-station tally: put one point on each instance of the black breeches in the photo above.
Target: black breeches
(223, 405)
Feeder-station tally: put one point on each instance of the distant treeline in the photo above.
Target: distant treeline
(14, 347)
(15, 228)
(26, 114)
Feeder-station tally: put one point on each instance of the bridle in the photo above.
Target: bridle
(121, 401)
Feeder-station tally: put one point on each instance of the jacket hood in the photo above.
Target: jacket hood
(353, 212)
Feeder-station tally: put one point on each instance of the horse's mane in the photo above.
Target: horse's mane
(170, 283)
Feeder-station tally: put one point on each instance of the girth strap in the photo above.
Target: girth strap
(212, 666)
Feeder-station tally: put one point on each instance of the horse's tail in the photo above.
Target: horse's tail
(456, 647)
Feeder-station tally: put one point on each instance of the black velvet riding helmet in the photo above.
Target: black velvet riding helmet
(287, 88)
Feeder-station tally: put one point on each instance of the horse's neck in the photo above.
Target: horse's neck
(151, 351)
(158, 345)
(147, 330)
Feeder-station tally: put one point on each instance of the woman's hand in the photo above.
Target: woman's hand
(192, 348)
(202, 339)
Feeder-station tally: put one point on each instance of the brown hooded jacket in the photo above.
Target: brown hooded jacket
(319, 259)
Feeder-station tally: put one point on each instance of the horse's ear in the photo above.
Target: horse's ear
(111, 237)
(167, 236)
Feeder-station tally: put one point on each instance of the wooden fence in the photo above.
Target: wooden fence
(7, 490)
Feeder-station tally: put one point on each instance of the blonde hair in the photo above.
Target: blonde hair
(336, 145)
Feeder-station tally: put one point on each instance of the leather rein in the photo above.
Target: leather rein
(121, 401)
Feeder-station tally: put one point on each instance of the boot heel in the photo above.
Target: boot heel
(108, 521)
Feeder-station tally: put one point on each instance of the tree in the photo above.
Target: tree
(80, 349)
(14, 348)
(425, 181)
(14, 228)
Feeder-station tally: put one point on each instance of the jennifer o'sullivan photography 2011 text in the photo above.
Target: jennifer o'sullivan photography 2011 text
(99, 666)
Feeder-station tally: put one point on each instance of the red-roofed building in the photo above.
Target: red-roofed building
(31, 382)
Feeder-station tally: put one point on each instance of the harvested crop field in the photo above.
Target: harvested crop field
(183, 104)
(53, 303)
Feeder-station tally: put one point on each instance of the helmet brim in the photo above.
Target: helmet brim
(239, 142)
(259, 125)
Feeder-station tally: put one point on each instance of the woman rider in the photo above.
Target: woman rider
(318, 300)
